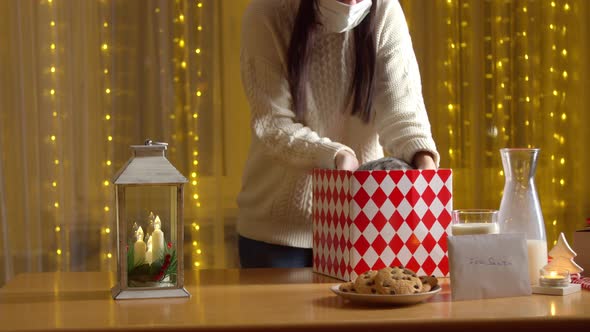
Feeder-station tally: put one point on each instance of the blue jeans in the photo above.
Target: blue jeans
(255, 254)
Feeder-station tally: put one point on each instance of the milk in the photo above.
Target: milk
(475, 228)
(537, 258)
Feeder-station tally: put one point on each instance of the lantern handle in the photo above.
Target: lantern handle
(150, 142)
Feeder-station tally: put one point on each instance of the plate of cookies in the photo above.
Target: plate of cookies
(390, 285)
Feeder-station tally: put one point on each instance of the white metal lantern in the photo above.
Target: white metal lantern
(149, 194)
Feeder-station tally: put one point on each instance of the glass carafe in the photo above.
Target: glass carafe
(520, 211)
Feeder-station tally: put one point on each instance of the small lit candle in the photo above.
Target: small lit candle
(554, 278)
(148, 254)
(139, 248)
(157, 240)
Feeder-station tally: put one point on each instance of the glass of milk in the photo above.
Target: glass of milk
(475, 221)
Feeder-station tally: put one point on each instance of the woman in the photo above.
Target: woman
(330, 84)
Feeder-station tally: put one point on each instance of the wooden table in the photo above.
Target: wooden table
(265, 299)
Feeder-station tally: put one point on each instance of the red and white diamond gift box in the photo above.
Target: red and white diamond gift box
(367, 220)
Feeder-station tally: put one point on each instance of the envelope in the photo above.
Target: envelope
(488, 266)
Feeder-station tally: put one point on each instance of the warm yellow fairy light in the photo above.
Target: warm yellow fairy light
(194, 174)
(195, 115)
(562, 182)
(563, 116)
(58, 251)
(56, 204)
(200, 5)
(52, 23)
(110, 138)
(200, 28)
(108, 163)
(56, 161)
(107, 209)
(109, 255)
(49, 1)
(196, 196)
(106, 71)
(198, 51)
(52, 46)
(105, 24)
(52, 91)
(195, 162)
(199, 251)
(106, 183)
(564, 52)
(197, 227)
(562, 161)
(57, 229)
(105, 47)
(197, 264)
(552, 3)
(528, 99)
(107, 230)
(52, 69)
(564, 74)
(181, 43)
(52, 137)
(54, 184)
(157, 10)
(199, 93)
(181, 18)
(194, 182)
(107, 90)
(107, 117)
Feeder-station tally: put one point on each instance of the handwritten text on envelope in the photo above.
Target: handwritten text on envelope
(488, 266)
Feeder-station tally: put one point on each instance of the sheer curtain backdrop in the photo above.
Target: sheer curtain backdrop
(80, 81)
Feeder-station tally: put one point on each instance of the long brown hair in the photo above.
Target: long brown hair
(363, 81)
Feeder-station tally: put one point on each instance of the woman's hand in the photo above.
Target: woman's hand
(346, 161)
(423, 160)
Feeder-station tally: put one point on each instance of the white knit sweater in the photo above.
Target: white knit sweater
(276, 196)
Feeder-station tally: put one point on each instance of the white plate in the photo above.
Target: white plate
(385, 299)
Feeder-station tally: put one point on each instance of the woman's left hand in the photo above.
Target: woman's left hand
(423, 160)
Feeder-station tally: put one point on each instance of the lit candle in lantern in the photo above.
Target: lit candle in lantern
(148, 254)
(157, 240)
(139, 248)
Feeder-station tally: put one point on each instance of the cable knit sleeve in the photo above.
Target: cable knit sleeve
(263, 70)
(401, 119)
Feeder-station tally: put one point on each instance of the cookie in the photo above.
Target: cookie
(428, 283)
(396, 281)
(365, 283)
(347, 287)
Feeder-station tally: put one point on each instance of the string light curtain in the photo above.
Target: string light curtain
(509, 73)
(81, 81)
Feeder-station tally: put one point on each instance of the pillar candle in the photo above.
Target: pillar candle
(148, 254)
(157, 240)
(139, 248)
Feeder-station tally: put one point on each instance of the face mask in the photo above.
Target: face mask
(338, 17)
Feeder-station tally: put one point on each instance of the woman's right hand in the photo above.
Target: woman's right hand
(346, 161)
